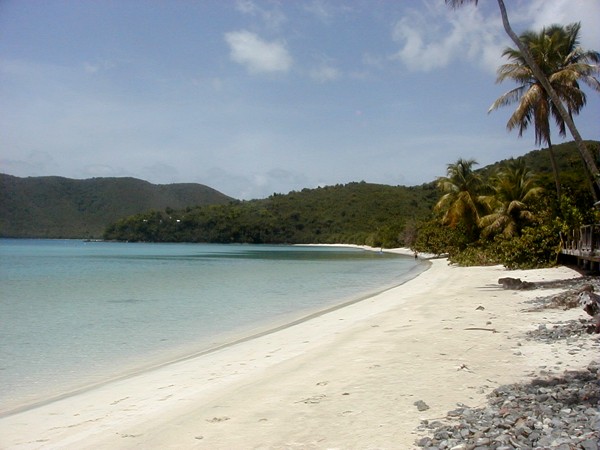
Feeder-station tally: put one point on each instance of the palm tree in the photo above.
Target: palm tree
(513, 187)
(556, 52)
(539, 75)
(460, 202)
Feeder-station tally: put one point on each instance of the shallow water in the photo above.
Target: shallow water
(77, 313)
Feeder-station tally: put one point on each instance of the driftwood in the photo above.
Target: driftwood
(515, 283)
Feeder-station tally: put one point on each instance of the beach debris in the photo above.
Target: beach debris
(515, 283)
(464, 367)
(421, 405)
(479, 308)
(569, 297)
(570, 331)
(591, 305)
(493, 330)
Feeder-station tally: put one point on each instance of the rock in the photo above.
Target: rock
(421, 405)
(558, 413)
(590, 444)
(515, 283)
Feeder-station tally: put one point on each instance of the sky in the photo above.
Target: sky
(255, 97)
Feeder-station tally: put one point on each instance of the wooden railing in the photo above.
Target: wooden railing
(583, 243)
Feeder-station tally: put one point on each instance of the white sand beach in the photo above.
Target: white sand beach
(348, 379)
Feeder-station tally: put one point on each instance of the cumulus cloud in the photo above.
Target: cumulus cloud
(437, 36)
(256, 54)
(541, 13)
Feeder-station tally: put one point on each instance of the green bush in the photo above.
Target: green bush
(536, 247)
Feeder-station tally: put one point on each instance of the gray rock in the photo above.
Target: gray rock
(421, 405)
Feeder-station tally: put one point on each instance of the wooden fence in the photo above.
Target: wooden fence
(584, 245)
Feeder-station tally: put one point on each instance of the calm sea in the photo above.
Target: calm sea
(76, 313)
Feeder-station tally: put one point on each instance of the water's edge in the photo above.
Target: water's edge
(234, 339)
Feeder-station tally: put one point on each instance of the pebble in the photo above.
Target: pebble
(549, 412)
(559, 412)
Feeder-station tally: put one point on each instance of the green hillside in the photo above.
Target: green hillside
(56, 207)
(352, 213)
(135, 210)
(570, 165)
(355, 213)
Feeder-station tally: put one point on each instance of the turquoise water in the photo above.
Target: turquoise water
(76, 313)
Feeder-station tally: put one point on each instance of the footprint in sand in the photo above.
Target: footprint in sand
(118, 401)
(313, 400)
(218, 419)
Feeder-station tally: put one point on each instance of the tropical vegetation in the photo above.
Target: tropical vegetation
(591, 168)
(494, 215)
(501, 215)
(557, 53)
(355, 213)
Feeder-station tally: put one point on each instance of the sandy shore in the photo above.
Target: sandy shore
(348, 379)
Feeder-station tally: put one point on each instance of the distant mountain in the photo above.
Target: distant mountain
(56, 207)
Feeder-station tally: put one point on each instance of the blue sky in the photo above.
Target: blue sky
(253, 97)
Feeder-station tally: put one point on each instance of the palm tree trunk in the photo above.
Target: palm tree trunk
(554, 169)
(583, 151)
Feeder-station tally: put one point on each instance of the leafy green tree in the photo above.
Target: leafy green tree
(460, 203)
(539, 75)
(514, 188)
(556, 51)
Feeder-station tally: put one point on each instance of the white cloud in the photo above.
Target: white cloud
(541, 13)
(257, 55)
(325, 73)
(98, 66)
(437, 35)
(319, 9)
(273, 18)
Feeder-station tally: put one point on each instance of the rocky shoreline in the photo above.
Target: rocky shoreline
(550, 412)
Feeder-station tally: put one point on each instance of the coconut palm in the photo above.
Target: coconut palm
(513, 187)
(583, 150)
(460, 202)
(557, 53)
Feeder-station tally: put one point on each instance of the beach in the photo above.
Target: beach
(351, 378)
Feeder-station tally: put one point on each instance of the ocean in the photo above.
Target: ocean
(74, 314)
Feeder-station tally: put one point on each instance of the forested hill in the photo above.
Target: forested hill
(135, 210)
(352, 213)
(56, 207)
(357, 213)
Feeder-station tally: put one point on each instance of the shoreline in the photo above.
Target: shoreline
(232, 338)
(347, 377)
